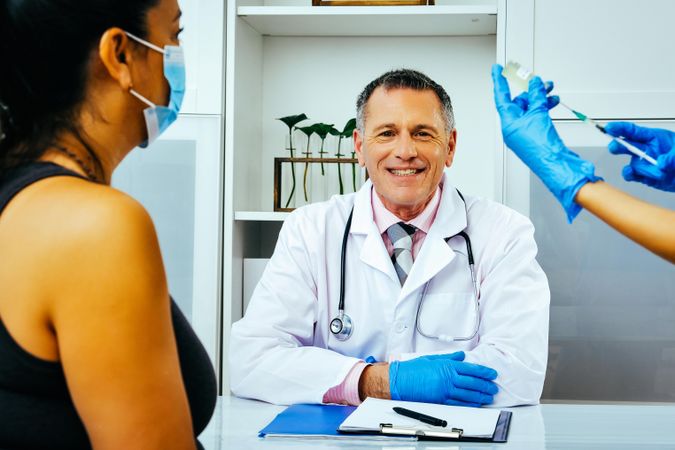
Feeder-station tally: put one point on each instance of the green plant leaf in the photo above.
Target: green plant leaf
(308, 130)
(349, 128)
(334, 131)
(322, 129)
(290, 121)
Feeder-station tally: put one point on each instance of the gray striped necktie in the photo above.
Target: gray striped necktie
(401, 236)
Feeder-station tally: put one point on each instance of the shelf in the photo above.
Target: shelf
(466, 20)
(260, 216)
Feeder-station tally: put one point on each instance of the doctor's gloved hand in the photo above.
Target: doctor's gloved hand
(442, 379)
(657, 143)
(528, 131)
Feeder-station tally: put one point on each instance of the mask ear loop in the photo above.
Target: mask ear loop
(141, 98)
(153, 47)
(146, 43)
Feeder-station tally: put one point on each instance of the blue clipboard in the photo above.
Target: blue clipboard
(308, 420)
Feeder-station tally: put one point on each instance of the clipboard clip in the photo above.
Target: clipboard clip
(453, 433)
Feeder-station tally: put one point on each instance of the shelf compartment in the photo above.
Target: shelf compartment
(462, 20)
(260, 216)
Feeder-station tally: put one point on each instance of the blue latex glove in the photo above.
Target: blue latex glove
(658, 143)
(442, 379)
(529, 132)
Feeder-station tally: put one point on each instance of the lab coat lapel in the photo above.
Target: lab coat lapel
(373, 252)
(435, 253)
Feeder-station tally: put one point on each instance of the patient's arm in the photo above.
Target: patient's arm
(649, 225)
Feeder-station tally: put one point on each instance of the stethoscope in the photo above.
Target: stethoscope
(342, 326)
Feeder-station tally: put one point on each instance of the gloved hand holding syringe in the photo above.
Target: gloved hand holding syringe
(520, 77)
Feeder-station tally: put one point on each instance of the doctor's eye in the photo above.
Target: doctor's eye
(177, 36)
(423, 135)
(386, 133)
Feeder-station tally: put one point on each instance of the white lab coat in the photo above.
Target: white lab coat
(283, 352)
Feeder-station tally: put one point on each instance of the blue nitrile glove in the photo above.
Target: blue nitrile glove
(657, 143)
(529, 132)
(442, 379)
(371, 360)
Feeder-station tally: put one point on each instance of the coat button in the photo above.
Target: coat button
(400, 327)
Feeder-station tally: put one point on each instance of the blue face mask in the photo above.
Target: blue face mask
(158, 117)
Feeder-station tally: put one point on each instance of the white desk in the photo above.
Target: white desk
(236, 423)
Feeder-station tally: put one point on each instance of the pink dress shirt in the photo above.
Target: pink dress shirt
(347, 392)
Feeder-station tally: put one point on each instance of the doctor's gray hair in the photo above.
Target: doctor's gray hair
(404, 79)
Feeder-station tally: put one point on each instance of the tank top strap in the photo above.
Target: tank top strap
(15, 180)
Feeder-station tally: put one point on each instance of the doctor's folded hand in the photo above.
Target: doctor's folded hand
(443, 379)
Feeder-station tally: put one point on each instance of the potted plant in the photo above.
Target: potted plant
(346, 132)
(308, 131)
(290, 122)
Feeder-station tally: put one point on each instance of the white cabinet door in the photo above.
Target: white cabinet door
(178, 180)
(609, 58)
(612, 333)
(203, 39)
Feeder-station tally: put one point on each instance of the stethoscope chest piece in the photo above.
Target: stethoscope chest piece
(341, 327)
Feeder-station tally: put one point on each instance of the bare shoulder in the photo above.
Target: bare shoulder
(76, 213)
(97, 207)
(88, 233)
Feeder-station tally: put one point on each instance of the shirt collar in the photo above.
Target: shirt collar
(385, 218)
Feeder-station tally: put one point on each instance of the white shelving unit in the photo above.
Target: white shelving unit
(286, 58)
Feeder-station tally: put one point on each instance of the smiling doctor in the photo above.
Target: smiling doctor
(442, 288)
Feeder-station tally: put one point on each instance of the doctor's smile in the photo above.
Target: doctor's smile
(405, 172)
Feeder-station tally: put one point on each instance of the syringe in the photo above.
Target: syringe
(633, 149)
(520, 76)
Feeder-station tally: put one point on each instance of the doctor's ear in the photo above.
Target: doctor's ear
(452, 145)
(358, 147)
(115, 52)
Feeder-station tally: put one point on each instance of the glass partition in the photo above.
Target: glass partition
(612, 333)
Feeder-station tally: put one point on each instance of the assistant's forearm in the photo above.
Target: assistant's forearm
(374, 382)
(649, 225)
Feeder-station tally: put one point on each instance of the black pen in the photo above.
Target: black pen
(421, 417)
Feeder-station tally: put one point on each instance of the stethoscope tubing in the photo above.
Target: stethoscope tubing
(342, 325)
(476, 305)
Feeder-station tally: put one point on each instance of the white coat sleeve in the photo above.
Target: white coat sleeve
(515, 300)
(272, 357)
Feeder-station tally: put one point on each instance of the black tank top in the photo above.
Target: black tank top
(36, 411)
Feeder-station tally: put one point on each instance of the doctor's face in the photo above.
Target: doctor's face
(405, 147)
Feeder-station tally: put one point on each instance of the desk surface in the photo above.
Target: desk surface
(236, 423)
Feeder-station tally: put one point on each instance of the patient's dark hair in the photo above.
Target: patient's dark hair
(402, 79)
(45, 50)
